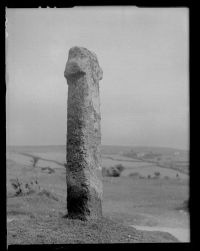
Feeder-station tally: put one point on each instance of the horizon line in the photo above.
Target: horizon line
(142, 146)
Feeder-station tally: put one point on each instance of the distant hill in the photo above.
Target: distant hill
(37, 148)
(105, 149)
(161, 156)
(110, 149)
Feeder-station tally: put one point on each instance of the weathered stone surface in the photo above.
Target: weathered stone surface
(84, 184)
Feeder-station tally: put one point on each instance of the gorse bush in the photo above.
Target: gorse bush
(120, 167)
(157, 174)
(113, 171)
(17, 186)
(25, 187)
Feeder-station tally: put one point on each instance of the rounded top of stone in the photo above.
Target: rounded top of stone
(82, 61)
(82, 52)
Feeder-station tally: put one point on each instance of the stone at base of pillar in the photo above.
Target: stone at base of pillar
(83, 203)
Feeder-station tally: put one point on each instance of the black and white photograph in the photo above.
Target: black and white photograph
(97, 125)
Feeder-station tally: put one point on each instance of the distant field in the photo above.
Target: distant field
(55, 157)
(144, 168)
(178, 157)
(57, 160)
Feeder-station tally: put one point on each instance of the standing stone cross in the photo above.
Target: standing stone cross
(83, 169)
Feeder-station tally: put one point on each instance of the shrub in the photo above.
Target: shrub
(120, 167)
(157, 174)
(17, 185)
(24, 188)
(113, 171)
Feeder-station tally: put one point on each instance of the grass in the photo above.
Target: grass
(38, 217)
(49, 225)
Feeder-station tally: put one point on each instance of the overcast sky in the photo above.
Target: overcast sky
(144, 57)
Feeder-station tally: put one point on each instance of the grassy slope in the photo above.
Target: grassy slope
(38, 218)
(145, 202)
